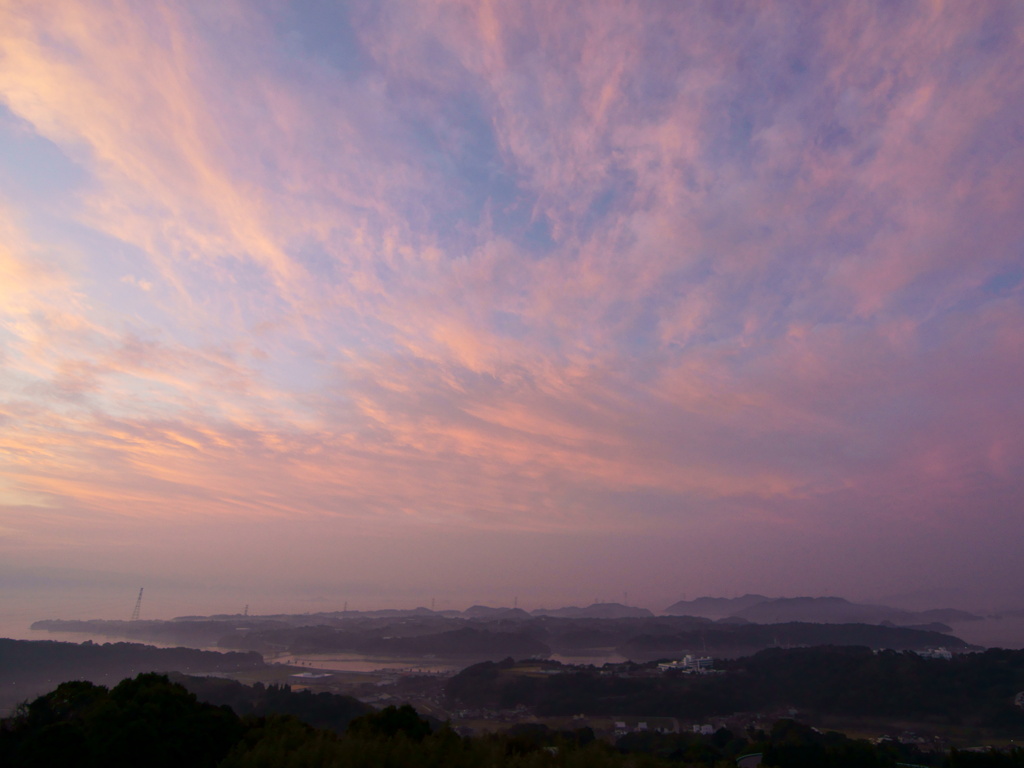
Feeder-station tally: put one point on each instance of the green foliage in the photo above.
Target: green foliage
(321, 710)
(146, 721)
(29, 666)
(794, 745)
(391, 723)
(987, 759)
(973, 689)
(150, 721)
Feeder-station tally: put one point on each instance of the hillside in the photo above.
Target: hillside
(823, 610)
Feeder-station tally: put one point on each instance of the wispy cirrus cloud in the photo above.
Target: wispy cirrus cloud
(481, 267)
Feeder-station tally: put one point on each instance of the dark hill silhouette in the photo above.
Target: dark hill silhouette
(715, 607)
(507, 632)
(486, 613)
(30, 667)
(822, 610)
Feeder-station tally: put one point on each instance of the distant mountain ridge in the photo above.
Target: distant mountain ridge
(822, 610)
(596, 611)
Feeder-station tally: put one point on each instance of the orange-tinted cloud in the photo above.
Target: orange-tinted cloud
(478, 267)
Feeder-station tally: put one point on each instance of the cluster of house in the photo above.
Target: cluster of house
(935, 653)
(689, 664)
(658, 725)
(302, 680)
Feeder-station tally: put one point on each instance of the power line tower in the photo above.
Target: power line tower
(138, 606)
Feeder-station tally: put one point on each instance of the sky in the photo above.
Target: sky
(391, 302)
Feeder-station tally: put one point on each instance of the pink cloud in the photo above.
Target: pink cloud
(617, 269)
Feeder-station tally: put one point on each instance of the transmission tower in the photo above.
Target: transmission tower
(138, 606)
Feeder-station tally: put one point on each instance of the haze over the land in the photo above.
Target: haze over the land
(393, 301)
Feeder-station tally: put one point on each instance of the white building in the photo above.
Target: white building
(935, 653)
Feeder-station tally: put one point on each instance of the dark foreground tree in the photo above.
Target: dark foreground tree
(391, 722)
(149, 721)
(145, 721)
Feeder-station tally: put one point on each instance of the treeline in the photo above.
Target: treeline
(325, 710)
(791, 744)
(151, 721)
(972, 689)
(969, 689)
